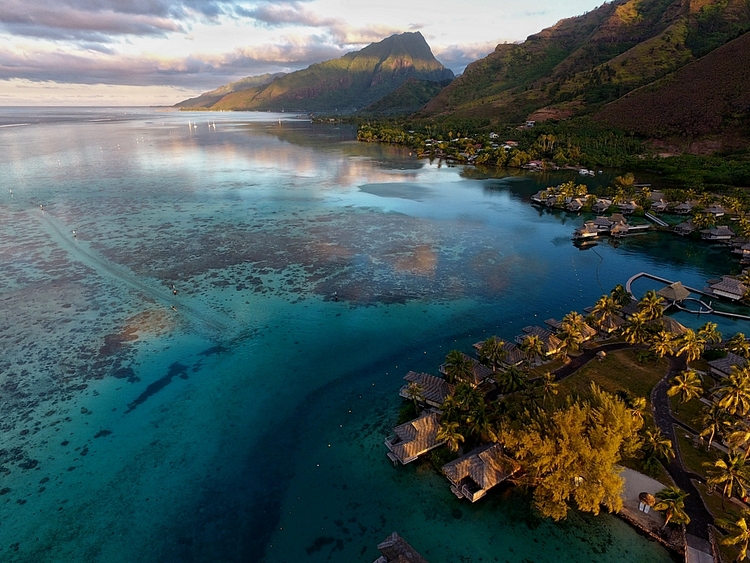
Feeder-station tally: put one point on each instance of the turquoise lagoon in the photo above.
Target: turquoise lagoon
(206, 319)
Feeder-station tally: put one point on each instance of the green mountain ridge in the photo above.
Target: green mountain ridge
(580, 64)
(207, 99)
(346, 84)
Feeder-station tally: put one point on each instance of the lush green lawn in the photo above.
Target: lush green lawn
(693, 456)
(713, 503)
(688, 413)
(618, 372)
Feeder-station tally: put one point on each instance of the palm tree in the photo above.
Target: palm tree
(690, 344)
(532, 346)
(734, 392)
(620, 295)
(604, 310)
(731, 473)
(512, 380)
(637, 407)
(651, 305)
(636, 331)
(492, 353)
(449, 431)
(739, 534)
(467, 397)
(739, 438)
(547, 387)
(458, 367)
(739, 345)
(656, 445)
(415, 393)
(687, 384)
(572, 326)
(671, 501)
(662, 343)
(709, 333)
(715, 421)
(478, 424)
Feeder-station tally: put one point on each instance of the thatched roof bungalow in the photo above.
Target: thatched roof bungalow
(685, 228)
(674, 292)
(722, 232)
(722, 367)
(395, 549)
(552, 344)
(479, 371)
(414, 438)
(434, 389)
(729, 287)
(474, 474)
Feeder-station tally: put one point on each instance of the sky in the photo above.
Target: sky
(159, 52)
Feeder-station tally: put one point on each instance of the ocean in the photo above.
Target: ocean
(206, 318)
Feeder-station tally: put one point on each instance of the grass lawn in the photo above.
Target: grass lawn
(694, 456)
(688, 413)
(539, 371)
(619, 371)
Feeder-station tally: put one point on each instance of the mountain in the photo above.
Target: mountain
(207, 99)
(408, 98)
(582, 63)
(704, 98)
(345, 84)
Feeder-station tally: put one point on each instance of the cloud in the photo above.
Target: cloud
(457, 57)
(101, 20)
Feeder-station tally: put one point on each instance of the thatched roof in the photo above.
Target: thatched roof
(671, 325)
(434, 389)
(416, 437)
(479, 371)
(724, 366)
(647, 498)
(674, 292)
(395, 549)
(486, 466)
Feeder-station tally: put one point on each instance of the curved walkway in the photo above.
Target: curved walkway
(585, 357)
(700, 517)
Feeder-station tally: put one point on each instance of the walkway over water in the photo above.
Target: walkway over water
(708, 310)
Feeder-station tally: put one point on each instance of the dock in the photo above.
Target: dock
(708, 310)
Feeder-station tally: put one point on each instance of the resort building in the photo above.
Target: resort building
(685, 228)
(728, 287)
(479, 372)
(722, 232)
(434, 390)
(744, 252)
(716, 210)
(587, 230)
(601, 205)
(659, 206)
(683, 208)
(627, 207)
(587, 332)
(513, 356)
(552, 344)
(722, 367)
(414, 438)
(395, 549)
(475, 473)
(674, 293)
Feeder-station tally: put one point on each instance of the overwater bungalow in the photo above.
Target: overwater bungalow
(627, 207)
(685, 228)
(716, 210)
(575, 204)
(414, 438)
(395, 549)
(722, 367)
(744, 252)
(610, 323)
(434, 390)
(683, 208)
(587, 231)
(552, 344)
(479, 371)
(659, 206)
(475, 473)
(587, 332)
(722, 232)
(513, 356)
(629, 309)
(728, 287)
(674, 293)
(601, 205)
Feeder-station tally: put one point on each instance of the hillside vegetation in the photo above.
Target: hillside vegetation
(345, 84)
(580, 64)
